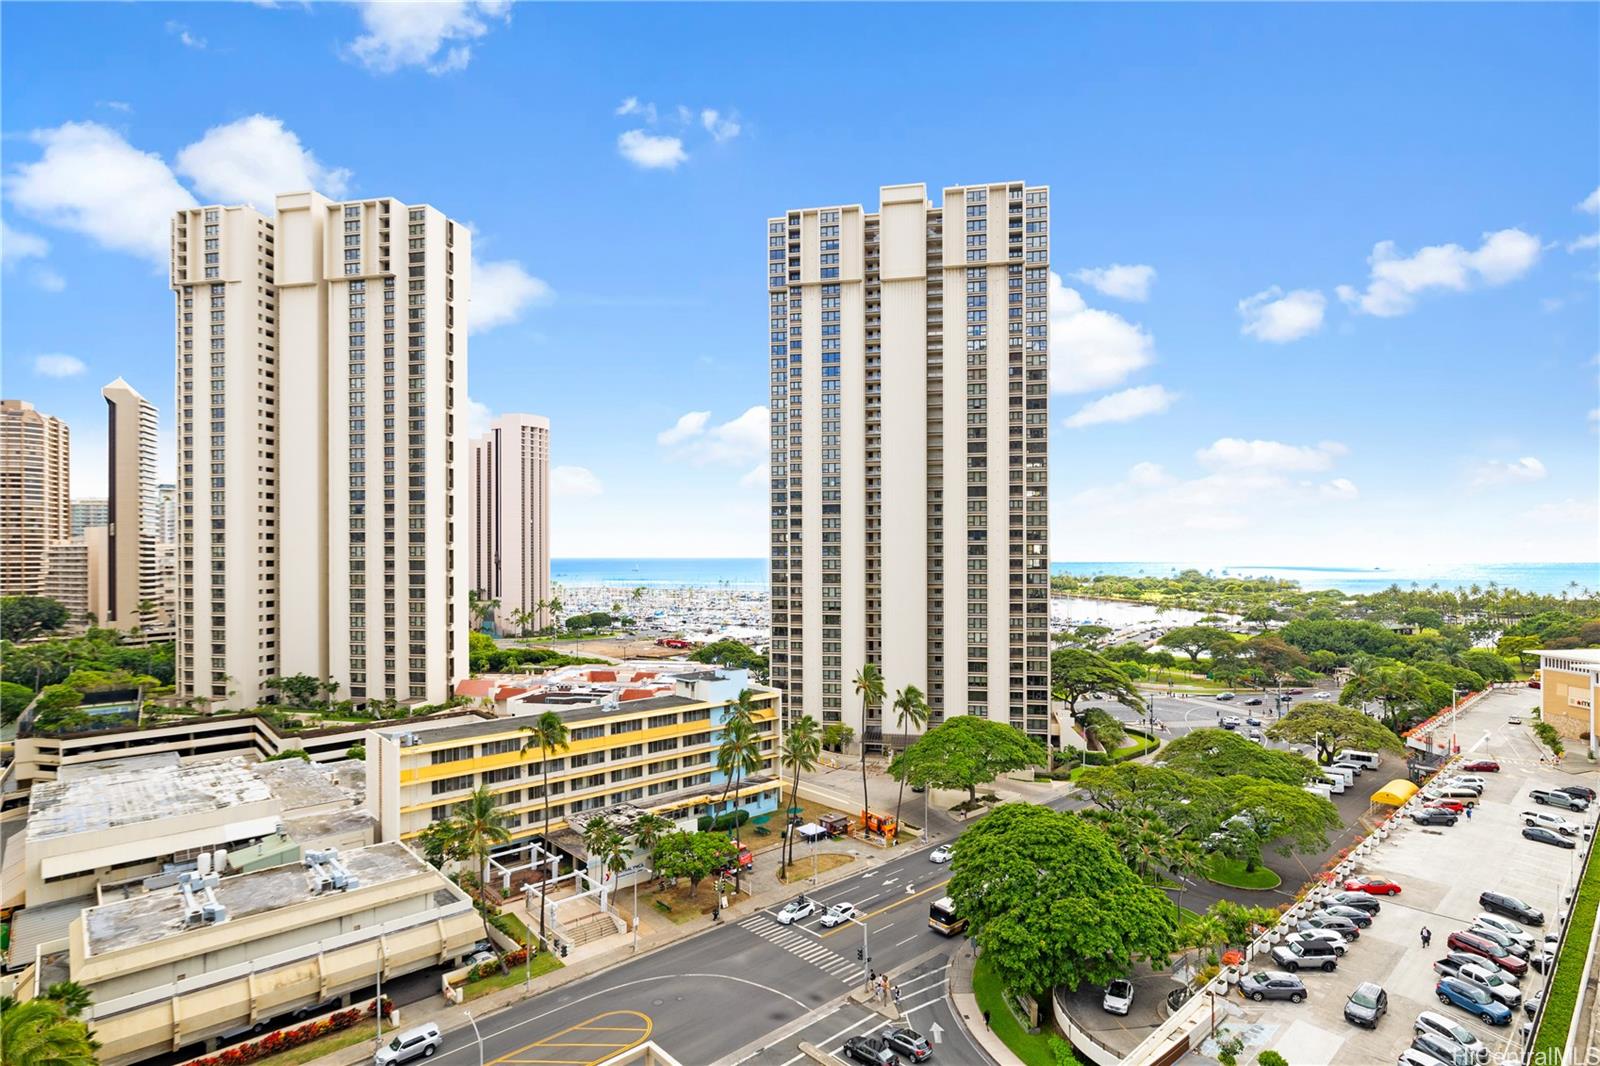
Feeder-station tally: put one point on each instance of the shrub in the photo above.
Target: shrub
(724, 821)
(1271, 1058)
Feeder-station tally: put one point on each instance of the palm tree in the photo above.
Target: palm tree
(548, 734)
(540, 606)
(647, 831)
(41, 1033)
(1200, 934)
(802, 747)
(910, 709)
(868, 684)
(72, 996)
(477, 826)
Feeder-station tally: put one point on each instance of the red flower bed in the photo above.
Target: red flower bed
(283, 1039)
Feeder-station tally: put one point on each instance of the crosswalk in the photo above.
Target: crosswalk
(803, 947)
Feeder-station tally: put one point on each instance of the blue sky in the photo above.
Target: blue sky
(1328, 273)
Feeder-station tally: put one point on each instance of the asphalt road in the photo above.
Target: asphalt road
(735, 992)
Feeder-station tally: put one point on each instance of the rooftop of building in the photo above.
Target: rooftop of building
(316, 831)
(299, 784)
(103, 801)
(1577, 655)
(157, 916)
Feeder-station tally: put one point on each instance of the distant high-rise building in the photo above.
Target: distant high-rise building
(510, 500)
(318, 527)
(909, 505)
(35, 494)
(89, 511)
(167, 524)
(75, 576)
(133, 581)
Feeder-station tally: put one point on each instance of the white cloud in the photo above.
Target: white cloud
(435, 36)
(182, 33)
(1591, 203)
(632, 106)
(688, 425)
(58, 366)
(252, 160)
(721, 127)
(1124, 406)
(1232, 453)
(756, 477)
(1340, 488)
(48, 279)
(1497, 472)
(733, 443)
(574, 481)
(1279, 317)
(1396, 280)
(1093, 349)
(501, 291)
(479, 417)
(15, 246)
(93, 182)
(651, 151)
(118, 105)
(1123, 282)
(1584, 243)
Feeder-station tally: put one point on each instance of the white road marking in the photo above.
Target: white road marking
(891, 881)
(907, 940)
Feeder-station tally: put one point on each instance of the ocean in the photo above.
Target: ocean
(751, 573)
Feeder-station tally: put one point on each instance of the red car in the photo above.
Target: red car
(1454, 806)
(1485, 948)
(1375, 886)
(1483, 766)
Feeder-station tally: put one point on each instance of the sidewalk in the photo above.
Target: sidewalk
(969, 1014)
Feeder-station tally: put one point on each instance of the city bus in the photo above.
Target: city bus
(942, 917)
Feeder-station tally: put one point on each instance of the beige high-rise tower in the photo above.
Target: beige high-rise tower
(510, 480)
(338, 376)
(35, 495)
(909, 503)
(134, 512)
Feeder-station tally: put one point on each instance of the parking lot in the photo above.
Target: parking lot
(1442, 870)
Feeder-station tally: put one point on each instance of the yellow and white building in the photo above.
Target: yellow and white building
(1568, 681)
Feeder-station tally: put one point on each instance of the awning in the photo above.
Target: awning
(1395, 793)
(811, 831)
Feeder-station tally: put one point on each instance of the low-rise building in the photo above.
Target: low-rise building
(1568, 681)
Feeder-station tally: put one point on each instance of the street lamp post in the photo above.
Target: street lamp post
(866, 956)
(476, 1035)
(635, 914)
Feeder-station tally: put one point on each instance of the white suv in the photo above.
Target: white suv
(1550, 821)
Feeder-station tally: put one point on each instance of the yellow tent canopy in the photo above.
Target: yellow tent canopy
(1395, 793)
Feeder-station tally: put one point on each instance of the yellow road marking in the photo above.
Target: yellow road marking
(888, 907)
(613, 1047)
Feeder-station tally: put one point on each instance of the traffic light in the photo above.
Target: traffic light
(858, 955)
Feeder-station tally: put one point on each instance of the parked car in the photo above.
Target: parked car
(1510, 944)
(1583, 792)
(1472, 999)
(1434, 816)
(1488, 978)
(1557, 798)
(1412, 1057)
(1326, 936)
(796, 910)
(1294, 955)
(1482, 766)
(1447, 790)
(1354, 767)
(1550, 821)
(420, 1042)
(1511, 907)
(1373, 886)
(908, 1042)
(1508, 927)
(1476, 944)
(1359, 900)
(1548, 836)
(1368, 1003)
(1431, 1021)
(1531, 1006)
(870, 1052)
(1344, 927)
(941, 854)
(1470, 779)
(1444, 803)
(1358, 917)
(1441, 1050)
(1272, 984)
(1461, 958)
(838, 914)
(1118, 998)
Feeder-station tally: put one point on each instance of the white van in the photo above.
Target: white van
(1354, 767)
(1368, 759)
(1333, 782)
(1343, 773)
(420, 1042)
(1320, 788)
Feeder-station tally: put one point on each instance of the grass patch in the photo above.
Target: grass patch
(800, 869)
(1231, 872)
(676, 905)
(1561, 994)
(512, 926)
(1031, 1048)
(543, 963)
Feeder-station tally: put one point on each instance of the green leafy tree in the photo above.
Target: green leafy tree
(836, 736)
(964, 752)
(1271, 1058)
(1264, 812)
(1405, 693)
(1238, 923)
(1329, 727)
(733, 654)
(1549, 738)
(14, 699)
(1221, 753)
(547, 735)
(480, 651)
(1273, 657)
(693, 855)
(40, 1032)
(478, 828)
(358, 752)
(1051, 902)
(289, 753)
(910, 709)
(1107, 732)
(802, 747)
(1192, 640)
(1488, 665)
(439, 844)
(298, 690)
(23, 617)
(1076, 673)
(868, 684)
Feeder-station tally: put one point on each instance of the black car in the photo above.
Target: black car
(1335, 924)
(1360, 917)
(1366, 1005)
(908, 1042)
(1511, 907)
(1253, 722)
(1253, 701)
(1547, 836)
(1434, 816)
(1272, 984)
(1361, 901)
(1583, 791)
(869, 1052)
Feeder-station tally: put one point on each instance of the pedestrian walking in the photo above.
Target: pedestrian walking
(872, 977)
(1469, 812)
(895, 993)
(1427, 936)
(986, 1019)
